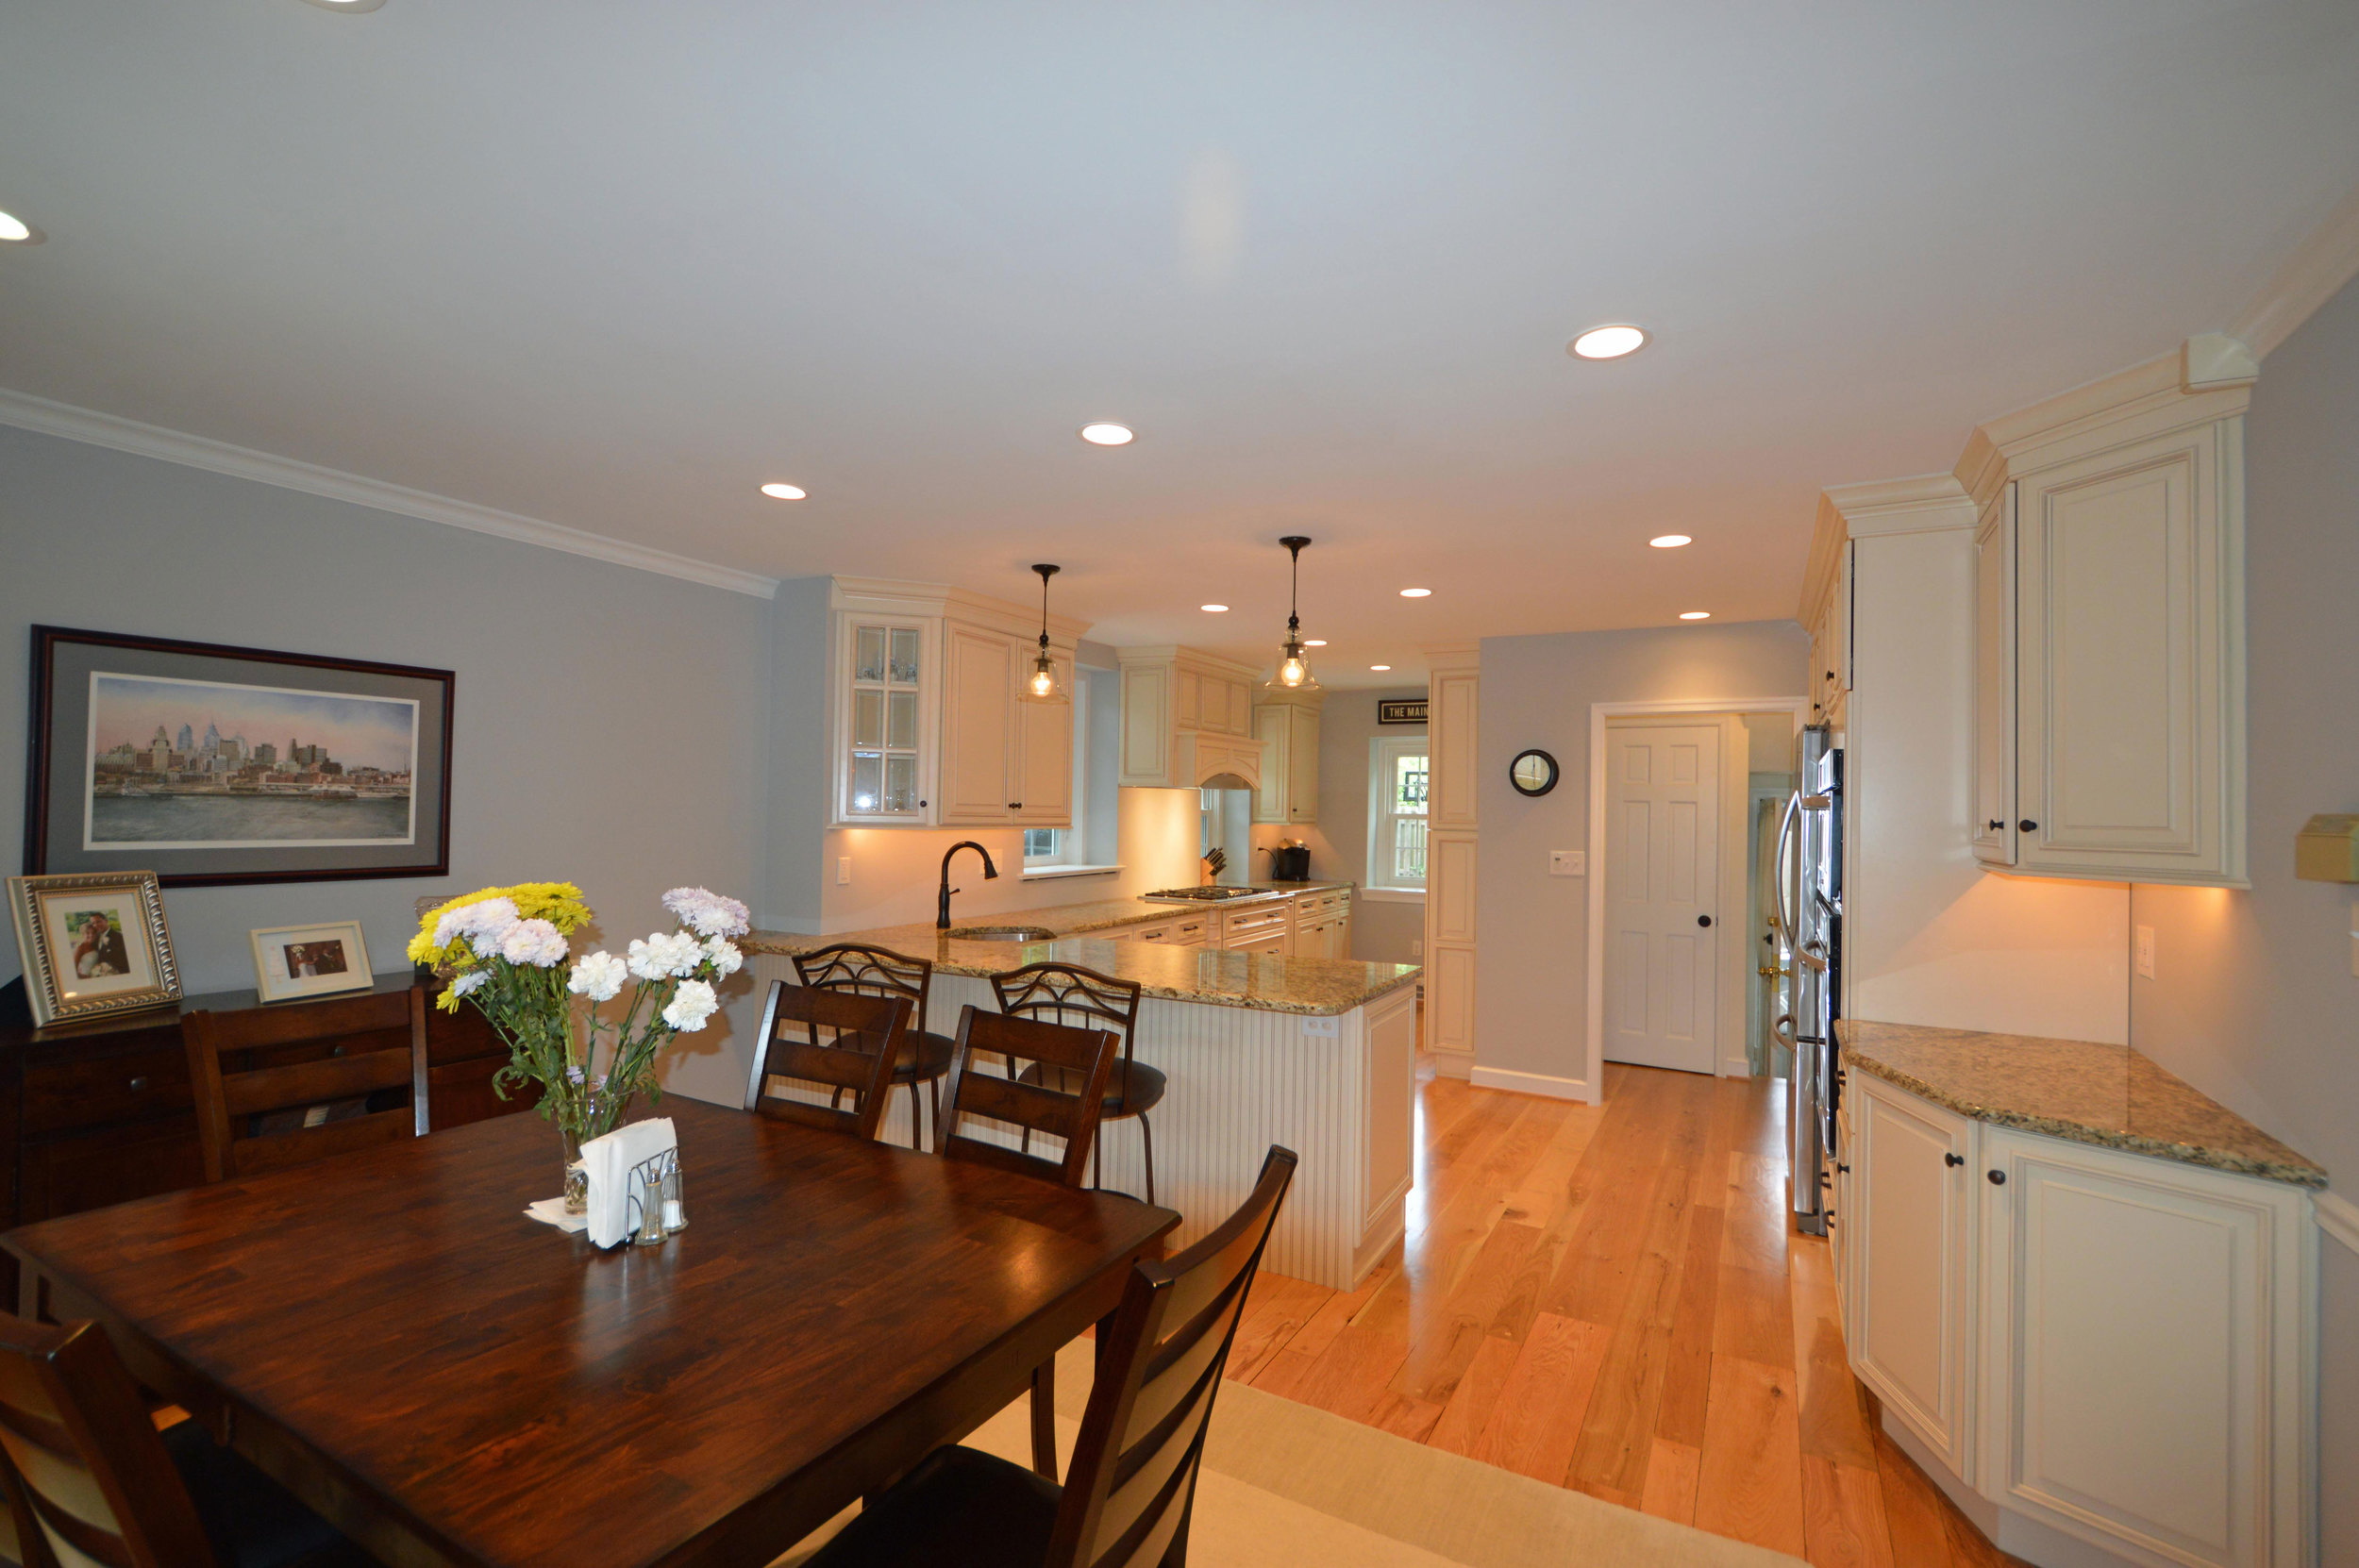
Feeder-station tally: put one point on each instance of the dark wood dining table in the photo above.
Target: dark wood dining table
(452, 1382)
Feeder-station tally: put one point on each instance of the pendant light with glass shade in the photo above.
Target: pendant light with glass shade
(1294, 670)
(1042, 684)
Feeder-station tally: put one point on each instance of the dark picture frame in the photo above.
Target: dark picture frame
(236, 810)
(1400, 710)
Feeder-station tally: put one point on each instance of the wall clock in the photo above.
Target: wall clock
(1533, 773)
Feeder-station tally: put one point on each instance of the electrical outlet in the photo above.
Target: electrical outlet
(2354, 938)
(1568, 863)
(843, 871)
(1328, 1025)
(2144, 948)
(1416, 949)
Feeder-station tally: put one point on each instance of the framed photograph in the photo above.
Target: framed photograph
(211, 764)
(93, 944)
(293, 963)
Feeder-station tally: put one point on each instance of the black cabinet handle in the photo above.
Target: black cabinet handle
(1997, 825)
(921, 806)
(139, 1085)
(336, 1051)
(1953, 1159)
(1842, 1167)
(1998, 1178)
(1703, 920)
(2027, 825)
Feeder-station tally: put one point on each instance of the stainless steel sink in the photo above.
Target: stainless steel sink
(1002, 933)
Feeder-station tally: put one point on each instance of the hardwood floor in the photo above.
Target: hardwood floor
(1613, 1298)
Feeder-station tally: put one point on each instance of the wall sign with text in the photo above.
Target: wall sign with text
(1400, 710)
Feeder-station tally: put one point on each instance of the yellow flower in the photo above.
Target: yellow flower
(559, 903)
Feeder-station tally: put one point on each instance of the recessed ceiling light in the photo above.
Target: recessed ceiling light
(16, 231)
(1607, 343)
(1695, 615)
(1669, 541)
(1379, 666)
(778, 490)
(1218, 609)
(1417, 593)
(1106, 435)
(1315, 641)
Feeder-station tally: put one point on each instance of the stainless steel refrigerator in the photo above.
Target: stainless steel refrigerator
(1809, 911)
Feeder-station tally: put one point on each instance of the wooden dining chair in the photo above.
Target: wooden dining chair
(101, 1485)
(1068, 994)
(1132, 1486)
(268, 1096)
(842, 1043)
(925, 1057)
(1034, 1105)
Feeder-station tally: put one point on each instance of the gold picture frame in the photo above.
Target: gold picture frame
(333, 951)
(94, 944)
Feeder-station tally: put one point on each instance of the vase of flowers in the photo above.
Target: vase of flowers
(508, 952)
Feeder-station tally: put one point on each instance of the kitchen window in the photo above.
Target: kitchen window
(1397, 801)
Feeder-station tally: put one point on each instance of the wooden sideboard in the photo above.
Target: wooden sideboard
(98, 1112)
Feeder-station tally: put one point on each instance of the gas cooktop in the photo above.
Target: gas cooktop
(1175, 896)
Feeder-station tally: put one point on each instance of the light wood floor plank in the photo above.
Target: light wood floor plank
(1843, 1516)
(1671, 1475)
(1537, 1419)
(1748, 1484)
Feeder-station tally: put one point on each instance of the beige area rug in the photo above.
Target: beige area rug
(1284, 1483)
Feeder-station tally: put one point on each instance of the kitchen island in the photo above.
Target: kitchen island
(1317, 1054)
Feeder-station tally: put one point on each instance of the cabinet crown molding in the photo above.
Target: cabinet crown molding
(1173, 653)
(2144, 401)
(1451, 655)
(892, 596)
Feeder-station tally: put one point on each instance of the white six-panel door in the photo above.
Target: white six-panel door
(1662, 892)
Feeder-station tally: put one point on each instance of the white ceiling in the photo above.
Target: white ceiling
(613, 265)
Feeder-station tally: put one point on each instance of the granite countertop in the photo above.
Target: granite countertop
(2108, 1095)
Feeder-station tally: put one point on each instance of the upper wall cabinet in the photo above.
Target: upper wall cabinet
(1287, 724)
(1826, 613)
(928, 731)
(2110, 634)
(1187, 720)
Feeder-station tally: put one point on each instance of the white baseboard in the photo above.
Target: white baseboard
(1452, 1065)
(2338, 1218)
(1531, 1083)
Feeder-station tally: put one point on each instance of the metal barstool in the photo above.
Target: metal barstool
(847, 966)
(1068, 994)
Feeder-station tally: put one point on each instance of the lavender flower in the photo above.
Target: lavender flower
(708, 913)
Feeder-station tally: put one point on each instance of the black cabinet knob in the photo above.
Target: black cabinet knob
(921, 806)
(337, 1051)
(2027, 825)
(1998, 1178)
(1703, 920)
(139, 1085)
(1997, 825)
(1953, 1160)
(1840, 1166)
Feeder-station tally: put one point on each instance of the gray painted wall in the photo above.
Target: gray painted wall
(1533, 929)
(2253, 999)
(609, 722)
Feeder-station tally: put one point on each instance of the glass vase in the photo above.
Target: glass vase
(577, 1175)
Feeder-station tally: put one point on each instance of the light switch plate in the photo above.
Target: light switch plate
(2143, 945)
(1416, 949)
(1568, 863)
(843, 871)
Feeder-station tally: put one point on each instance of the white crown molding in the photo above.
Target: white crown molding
(1923, 504)
(27, 412)
(2338, 1217)
(1451, 657)
(2327, 259)
(895, 596)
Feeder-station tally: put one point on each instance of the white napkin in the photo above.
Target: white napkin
(552, 1211)
(610, 1161)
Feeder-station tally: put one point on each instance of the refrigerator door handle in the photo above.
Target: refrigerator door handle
(1787, 877)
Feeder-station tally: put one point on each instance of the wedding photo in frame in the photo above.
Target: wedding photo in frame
(211, 764)
(93, 944)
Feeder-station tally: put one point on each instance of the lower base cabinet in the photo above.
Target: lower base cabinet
(2095, 1344)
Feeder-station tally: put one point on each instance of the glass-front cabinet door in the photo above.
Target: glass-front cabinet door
(883, 778)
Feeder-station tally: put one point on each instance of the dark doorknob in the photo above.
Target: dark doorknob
(1703, 920)
(2027, 825)
(1953, 1160)
(1998, 1178)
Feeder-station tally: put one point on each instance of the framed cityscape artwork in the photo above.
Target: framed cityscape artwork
(211, 764)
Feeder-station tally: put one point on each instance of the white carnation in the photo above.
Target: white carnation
(599, 977)
(690, 1007)
(533, 942)
(666, 954)
(725, 957)
(708, 913)
(485, 916)
(474, 980)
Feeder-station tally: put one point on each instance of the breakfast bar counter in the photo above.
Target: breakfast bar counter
(1319, 1054)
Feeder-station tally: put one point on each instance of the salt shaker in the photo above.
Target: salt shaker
(675, 1210)
(650, 1231)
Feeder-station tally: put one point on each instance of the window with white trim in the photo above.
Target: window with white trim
(1396, 798)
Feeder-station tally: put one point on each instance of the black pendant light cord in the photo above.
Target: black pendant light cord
(1294, 543)
(1046, 573)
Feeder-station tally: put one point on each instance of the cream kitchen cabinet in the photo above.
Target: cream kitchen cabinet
(1187, 720)
(1830, 647)
(2105, 1346)
(1288, 728)
(2108, 618)
(927, 728)
(1257, 927)
(1322, 925)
